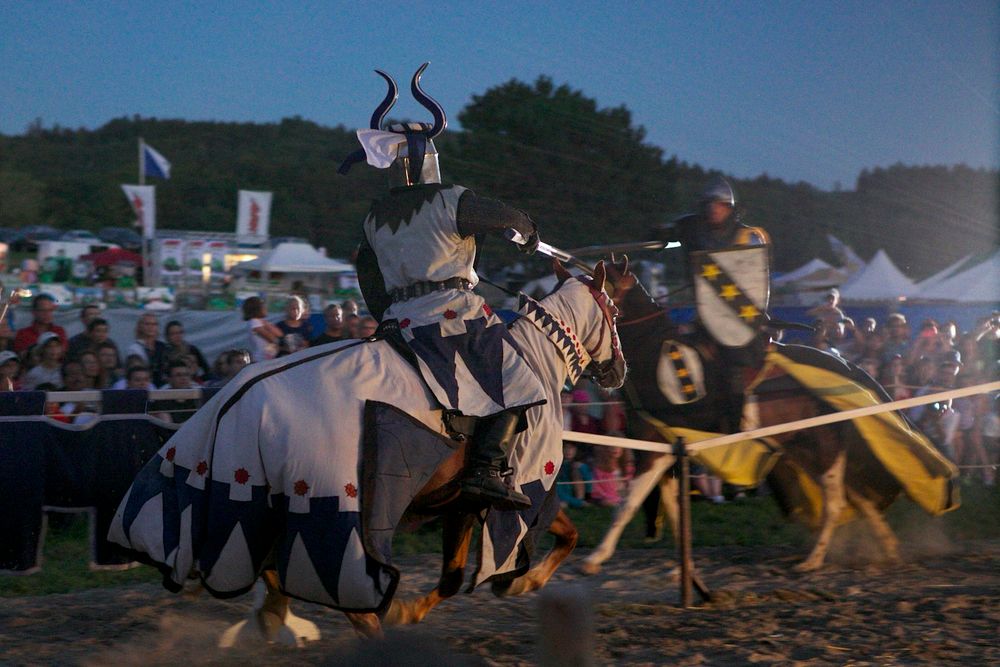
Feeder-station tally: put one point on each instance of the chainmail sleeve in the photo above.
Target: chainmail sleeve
(371, 282)
(481, 215)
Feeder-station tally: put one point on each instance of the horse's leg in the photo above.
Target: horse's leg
(271, 620)
(639, 488)
(884, 534)
(566, 536)
(834, 502)
(670, 505)
(367, 626)
(456, 538)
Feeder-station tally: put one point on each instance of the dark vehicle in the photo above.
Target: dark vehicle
(10, 236)
(122, 236)
(80, 236)
(32, 234)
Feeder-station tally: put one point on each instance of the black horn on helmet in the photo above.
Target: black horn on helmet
(390, 99)
(429, 103)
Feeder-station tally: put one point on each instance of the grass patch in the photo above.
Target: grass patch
(745, 522)
(65, 564)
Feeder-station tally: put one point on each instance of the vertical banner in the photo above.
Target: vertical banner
(218, 250)
(254, 216)
(193, 255)
(171, 259)
(142, 198)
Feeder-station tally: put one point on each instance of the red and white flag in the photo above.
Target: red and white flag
(254, 215)
(142, 198)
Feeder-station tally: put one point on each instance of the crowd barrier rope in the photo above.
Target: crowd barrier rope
(832, 418)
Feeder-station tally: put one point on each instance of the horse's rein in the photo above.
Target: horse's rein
(603, 302)
(644, 318)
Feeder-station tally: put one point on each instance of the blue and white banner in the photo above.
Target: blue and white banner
(154, 164)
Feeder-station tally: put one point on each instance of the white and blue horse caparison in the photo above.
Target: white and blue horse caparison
(271, 472)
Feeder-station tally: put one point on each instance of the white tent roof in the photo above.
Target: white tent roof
(810, 267)
(878, 281)
(294, 258)
(845, 253)
(981, 283)
(941, 275)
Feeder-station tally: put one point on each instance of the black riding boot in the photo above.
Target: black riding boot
(484, 482)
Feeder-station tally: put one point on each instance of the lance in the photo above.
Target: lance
(550, 251)
(14, 296)
(621, 248)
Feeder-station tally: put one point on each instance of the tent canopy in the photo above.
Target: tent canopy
(806, 269)
(113, 256)
(294, 258)
(943, 274)
(879, 280)
(981, 283)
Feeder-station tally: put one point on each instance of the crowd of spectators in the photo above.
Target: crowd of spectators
(39, 356)
(598, 476)
(936, 358)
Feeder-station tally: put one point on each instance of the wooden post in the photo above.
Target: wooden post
(566, 626)
(684, 506)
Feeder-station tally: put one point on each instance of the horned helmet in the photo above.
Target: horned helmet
(415, 158)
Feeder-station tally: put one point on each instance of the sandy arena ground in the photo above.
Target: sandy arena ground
(940, 607)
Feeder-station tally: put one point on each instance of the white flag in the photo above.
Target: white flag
(143, 201)
(254, 215)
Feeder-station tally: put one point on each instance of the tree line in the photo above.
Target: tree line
(586, 174)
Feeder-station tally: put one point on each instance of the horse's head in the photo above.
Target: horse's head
(635, 305)
(607, 365)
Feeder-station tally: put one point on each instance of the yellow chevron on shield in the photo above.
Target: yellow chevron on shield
(731, 289)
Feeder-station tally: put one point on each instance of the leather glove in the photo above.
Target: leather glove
(531, 244)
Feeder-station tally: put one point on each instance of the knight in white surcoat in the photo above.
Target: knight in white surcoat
(416, 269)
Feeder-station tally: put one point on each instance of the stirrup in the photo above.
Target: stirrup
(486, 486)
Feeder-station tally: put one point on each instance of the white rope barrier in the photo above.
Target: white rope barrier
(822, 420)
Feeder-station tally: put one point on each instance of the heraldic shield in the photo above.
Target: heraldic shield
(731, 289)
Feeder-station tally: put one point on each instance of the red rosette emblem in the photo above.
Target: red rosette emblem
(170, 454)
(450, 314)
(242, 476)
(351, 490)
(202, 468)
(301, 488)
(403, 323)
(550, 467)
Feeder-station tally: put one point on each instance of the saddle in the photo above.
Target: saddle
(459, 427)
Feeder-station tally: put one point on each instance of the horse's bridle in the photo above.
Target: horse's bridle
(602, 371)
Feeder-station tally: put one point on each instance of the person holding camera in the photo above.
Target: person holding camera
(940, 421)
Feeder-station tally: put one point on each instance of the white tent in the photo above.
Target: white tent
(943, 274)
(981, 283)
(814, 276)
(294, 258)
(849, 259)
(879, 280)
(810, 267)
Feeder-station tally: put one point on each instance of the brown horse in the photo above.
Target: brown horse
(579, 313)
(836, 458)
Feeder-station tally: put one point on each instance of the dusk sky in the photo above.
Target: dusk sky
(810, 91)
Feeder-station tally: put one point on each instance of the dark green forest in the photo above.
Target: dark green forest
(584, 173)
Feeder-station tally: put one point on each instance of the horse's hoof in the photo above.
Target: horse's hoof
(588, 568)
(264, 626)
(297, 631)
